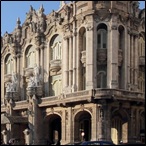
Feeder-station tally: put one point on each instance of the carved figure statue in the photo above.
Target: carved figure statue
(12, 87)
(36, 79)
(31, 82)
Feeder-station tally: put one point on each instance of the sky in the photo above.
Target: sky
(11, 10)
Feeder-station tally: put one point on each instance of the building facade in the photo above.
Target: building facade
(75, 74)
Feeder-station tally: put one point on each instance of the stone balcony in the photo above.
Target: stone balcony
(55, 65)
(7, 78)
(87, 96)
(141, 60)
(28, 72)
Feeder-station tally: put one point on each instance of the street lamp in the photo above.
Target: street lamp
(82, 134)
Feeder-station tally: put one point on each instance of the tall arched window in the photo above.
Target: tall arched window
(101, 56)
(55, 85)
(56, 50)
(101, 79)
(102, 39)
(30, 57)
(9, 64)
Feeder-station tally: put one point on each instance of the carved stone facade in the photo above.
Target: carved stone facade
(76, 70)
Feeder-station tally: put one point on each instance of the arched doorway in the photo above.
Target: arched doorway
(82, 126)
(119, 127)
(52, 128)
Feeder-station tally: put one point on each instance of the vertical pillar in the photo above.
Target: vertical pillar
(2, 82)
(37, 57)
(132, 59)
(128, 60)
(78, 61)
(70, 61)
(63, 127)
(125, 60)
(94, 123)
(15, 64)
(132, 125)
(112, 63)
(136, 62)
(89, 57)
(65, 63)
(69, 130)
(18, 71)
(74, 61)
(102, 121)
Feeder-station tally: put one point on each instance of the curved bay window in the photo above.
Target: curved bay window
(30, 57)
(9, 64)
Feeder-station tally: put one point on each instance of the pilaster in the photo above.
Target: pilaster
(112, 63)
(89, 56)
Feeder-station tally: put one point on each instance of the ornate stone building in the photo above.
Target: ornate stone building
(76, 73)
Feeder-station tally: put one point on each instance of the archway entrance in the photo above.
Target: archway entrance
(82, 126)
(53, 128)
(119, 127)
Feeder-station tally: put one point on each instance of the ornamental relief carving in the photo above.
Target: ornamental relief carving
(82, 108)
(102, 15)
(124, 19)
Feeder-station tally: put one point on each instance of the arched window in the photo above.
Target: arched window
(9, 68)
(30, 57)
(102, 39)
(101, 79)
(56, 85)
(56, 50)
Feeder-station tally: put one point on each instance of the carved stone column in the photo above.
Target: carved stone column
(37, 56)
(64, 125)
(131, 60)
(74, 88)
(136, 63)
(128, 60)
(69, 125)
(132, 125)
(34, 94)
(70, 61)
(89, 56)
(112, 62)
(65, 63)
(102, 113)
(94, 123)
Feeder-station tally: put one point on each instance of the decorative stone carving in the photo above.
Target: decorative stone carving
(11, 86)
(102, 56)
(83, 58)
(103, 15)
